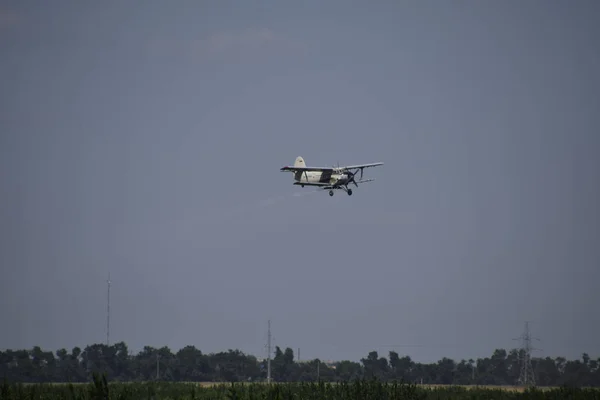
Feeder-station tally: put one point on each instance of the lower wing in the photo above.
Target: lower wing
(323, 184)
(329, 185)
(303, 169)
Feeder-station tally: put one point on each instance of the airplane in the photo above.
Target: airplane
(332, 178)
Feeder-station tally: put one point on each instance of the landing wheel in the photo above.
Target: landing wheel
(331, 192)
(349, 192)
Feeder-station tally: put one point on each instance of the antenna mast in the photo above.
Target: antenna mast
(269, 352)
(108, 311)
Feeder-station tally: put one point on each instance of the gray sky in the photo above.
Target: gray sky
(145, 139)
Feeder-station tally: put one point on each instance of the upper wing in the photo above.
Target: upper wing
(330, 169)
(306, 169)
(363, 165)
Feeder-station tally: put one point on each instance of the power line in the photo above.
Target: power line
(269, 352)
(526, 376)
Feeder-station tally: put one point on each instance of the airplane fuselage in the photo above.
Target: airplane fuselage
(321, 177)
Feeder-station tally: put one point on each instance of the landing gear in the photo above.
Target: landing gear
(347, 190)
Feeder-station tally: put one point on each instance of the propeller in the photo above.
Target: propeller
(351, 177)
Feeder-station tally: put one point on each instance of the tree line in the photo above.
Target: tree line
(191, 364)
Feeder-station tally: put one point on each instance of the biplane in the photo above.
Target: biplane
(328, 178)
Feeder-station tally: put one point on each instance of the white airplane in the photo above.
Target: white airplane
(333, 178)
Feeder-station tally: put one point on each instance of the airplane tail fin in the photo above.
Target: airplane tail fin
(299, 162)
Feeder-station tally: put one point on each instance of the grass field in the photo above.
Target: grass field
(420, 386)
(100, 389)
(425, 386)
(467, 387)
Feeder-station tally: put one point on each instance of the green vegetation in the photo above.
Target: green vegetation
(359, 389)
(189, 364)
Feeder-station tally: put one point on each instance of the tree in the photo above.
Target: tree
(190, 364)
